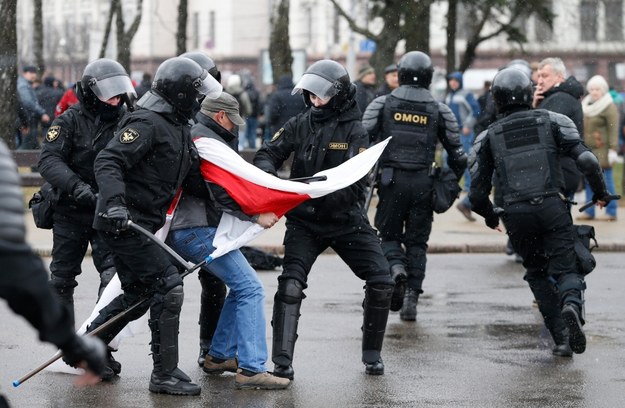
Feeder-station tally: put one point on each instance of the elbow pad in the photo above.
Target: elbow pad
(588, 164)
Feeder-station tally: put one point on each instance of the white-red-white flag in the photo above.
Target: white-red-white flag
(257, 192)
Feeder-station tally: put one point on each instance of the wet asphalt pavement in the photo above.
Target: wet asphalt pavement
(477, 342)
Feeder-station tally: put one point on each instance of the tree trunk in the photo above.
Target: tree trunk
(107, 28)
(418, 27)
(181, 35)
(8, 71)
(280, 53)
(124, 38)
(452, 22)
(38, 37)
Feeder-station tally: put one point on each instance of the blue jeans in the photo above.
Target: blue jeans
(467, 144)
(610, 209)
(251, 125)
(240, 331)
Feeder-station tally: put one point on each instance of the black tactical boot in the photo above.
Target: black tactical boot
(577, 338)
(375, 368)
(115, 365)
(375, 316)
(562, 347)
(284, 371)
(175, 383)
(409, 308)
(204, 347)
(399, 276)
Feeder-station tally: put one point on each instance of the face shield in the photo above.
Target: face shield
(317, 85)
(208, 86)
(106, 88)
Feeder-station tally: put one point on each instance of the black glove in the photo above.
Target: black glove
(89, 349)
(118, 217)
(603, 196)
(83, 194)
(492, 221)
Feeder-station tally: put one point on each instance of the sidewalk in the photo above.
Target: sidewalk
(451, 232)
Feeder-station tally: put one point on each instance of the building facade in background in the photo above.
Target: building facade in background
(587, 35)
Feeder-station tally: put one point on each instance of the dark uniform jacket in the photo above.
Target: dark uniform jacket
(145, 164)
(316, 147)
(69, 150)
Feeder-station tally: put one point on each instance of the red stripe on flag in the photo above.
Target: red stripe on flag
(252, 198)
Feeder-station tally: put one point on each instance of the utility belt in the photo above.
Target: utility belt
(537, 200)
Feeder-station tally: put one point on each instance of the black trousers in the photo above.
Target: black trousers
(71, 236)
(404, 220)
(359, 247)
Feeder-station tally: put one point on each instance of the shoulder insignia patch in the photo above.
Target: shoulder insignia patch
(129, 136)
(53, 133)
(277, 135)
(338, 146)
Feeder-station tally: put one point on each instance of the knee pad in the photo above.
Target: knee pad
(170, 280)
(172, 301)
(378, 295)
(290, 291)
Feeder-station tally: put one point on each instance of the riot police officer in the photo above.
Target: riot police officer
(325, 135)
(213, 293)
(24, 280)
(522, 149)
(66, 162)
(404, 215)
(138, 174)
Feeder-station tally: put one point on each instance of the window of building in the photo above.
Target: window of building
(613, 20)
(588, 16)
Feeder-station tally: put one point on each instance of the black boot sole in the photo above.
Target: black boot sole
(577, 338)
(399, 291)
(171, 390)
(374, 369)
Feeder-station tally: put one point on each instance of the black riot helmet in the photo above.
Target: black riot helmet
(327, 79)
(205, 62)
(521, 65)
(102, 80)
(181, 80)
(415, 68)
(511, 88)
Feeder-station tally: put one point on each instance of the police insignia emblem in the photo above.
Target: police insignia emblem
(129, 136)
(53, 133)
(277, 135)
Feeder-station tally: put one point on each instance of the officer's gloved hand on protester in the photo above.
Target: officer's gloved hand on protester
(89, 350)
(83, 194)
(118, 216)
(492, 221)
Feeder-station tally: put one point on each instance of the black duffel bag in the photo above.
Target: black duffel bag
(445, 189)
(42, 206)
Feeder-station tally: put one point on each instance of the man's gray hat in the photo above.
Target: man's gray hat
(226, 103)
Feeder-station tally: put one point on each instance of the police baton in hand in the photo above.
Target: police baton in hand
(609, 197)
(187, 266)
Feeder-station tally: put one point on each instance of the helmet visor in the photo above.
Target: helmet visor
(317, 85)
(207, 85)
(107, 88)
